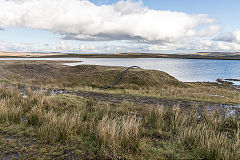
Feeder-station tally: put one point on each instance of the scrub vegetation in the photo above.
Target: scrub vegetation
(37, 125)
(136, 81)
(67, 126)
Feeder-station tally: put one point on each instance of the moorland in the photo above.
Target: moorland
(52, 111)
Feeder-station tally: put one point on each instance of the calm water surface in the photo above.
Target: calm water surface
(187, 70)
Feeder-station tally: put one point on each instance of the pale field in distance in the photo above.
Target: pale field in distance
(26, 54)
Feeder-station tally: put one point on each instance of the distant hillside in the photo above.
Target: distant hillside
(214, 53)
(198, 55)
(27, 54)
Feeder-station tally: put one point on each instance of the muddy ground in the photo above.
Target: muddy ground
(139, 100)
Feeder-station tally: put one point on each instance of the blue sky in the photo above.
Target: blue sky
(227, 12)
(158, 26)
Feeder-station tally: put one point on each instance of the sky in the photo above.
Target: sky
(111, 26)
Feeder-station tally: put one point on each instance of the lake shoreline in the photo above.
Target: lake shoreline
(186, 70)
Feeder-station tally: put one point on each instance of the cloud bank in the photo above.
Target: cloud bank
(124, 20)
(142, 29)
(232, 37)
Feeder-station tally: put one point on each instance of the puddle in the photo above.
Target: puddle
(215, 95)
(231, 83)
(199, 116)
(232, 110)
(10, 138)
(10, 156)
(234, 81)
(23, 120)
(228, 110)
(50, 92)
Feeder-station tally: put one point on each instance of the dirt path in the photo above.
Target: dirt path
(118, 98)
(140, 100)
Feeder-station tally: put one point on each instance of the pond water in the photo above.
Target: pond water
(187, 70)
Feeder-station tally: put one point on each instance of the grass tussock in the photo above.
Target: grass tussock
(167, 120)
(124, 130)
(59, 128)
(119, 135)
(9, 114)
(208, 135)
(209, 143)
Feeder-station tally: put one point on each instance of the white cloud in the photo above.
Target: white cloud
(188, 45)
(206, 45)
(124, 20)
(15, 47)
(212, 30)
(64, 47)
(145, 29)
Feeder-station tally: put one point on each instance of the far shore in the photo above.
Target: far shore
(200, 55)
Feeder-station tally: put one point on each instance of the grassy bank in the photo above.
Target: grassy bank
(65, 126)
(135, 81)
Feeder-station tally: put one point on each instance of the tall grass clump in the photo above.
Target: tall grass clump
(9, 93)
(206, 134)
(9, 114)
(34, 99)
(35, 116)
(120, 135)
(209, 143)
(10, 105)
(57, 128)
(167, 120)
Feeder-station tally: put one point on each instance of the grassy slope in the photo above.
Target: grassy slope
(85, 75)
(136, 81)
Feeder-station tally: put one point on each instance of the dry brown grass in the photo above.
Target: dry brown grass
(212, 135)
(194, 92)
(9, 114)
(136, 81)
(59, 127)
(207, 142)
(167, 120)
(120, 135)
(122, 130)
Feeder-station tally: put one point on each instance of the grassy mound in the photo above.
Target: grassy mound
(100, 76)
(135, 81)
(88, 76)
